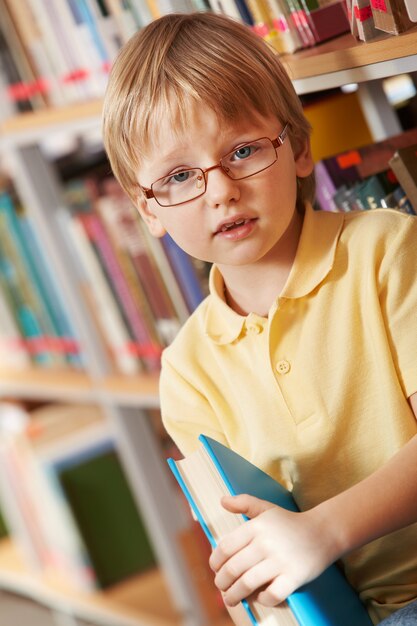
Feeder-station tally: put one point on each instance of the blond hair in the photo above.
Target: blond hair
(202, 57)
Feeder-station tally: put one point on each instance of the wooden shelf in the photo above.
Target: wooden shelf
(134, 602)
(346, 60)
(334, 63)
(347, 53)
(30, 127)
(141, 600)
(67, 385)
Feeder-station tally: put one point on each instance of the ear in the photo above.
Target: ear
(304, 163)
(151, 220)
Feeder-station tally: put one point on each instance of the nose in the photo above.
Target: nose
(221, 190)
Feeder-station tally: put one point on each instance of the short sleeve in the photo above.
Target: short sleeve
(186, 412)
(398, 296)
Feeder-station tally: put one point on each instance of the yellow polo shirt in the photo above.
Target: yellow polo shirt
(315, 394)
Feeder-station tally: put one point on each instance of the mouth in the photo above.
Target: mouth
(232, 225)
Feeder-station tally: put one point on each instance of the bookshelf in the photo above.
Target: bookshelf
(332, 64)
(134, 602)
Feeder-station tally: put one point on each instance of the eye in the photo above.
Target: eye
(179, 177)
(244, 152)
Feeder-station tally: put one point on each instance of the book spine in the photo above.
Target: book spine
(103, 305)
(119, 216)
(184, 271)
(50, 291)
(144, 345)
(123, 19)
(26, 305)
(46, 80)
(142, 11)
(61, 69)
(157, 251)
(13, 352)
(325, 188)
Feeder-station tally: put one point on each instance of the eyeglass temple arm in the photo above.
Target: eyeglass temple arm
(148, 193)
(281, 137)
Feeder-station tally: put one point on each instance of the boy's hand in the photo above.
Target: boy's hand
(272, 554)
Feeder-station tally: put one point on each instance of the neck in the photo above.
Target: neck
(254, 288)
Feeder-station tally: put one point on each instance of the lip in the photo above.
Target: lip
(221, 227)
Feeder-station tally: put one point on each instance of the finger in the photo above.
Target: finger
(277, 591)
(249, 582)
(236, 566)
(246, 505)
(229, 545)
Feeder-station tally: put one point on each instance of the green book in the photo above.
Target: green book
(106, 515)
(3, 527)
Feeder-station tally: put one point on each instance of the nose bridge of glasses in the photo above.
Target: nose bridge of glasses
(215, 167)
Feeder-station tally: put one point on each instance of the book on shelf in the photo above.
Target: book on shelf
(390, 16)
(98, 296)
(361, 20)
(45, 82)
(4, 531)
(118, 273)
(122, 221)
(20, 282)
(411, 8)
(213, 471)
(362, 178)
(183, 267)
(404, 165)
(13, 69)
(63, 488)
(13, 352)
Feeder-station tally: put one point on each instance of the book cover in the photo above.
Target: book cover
(107, 516)
(328, 600)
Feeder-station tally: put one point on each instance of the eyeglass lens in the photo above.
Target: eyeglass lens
(186, 185)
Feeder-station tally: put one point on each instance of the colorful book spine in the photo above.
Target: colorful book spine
(99, 296)
(143, 343)
(29, 309)
(66, 341)
(184, 271)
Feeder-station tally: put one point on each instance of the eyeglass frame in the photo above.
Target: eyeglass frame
(276, 143)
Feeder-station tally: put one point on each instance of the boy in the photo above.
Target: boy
(304, 356)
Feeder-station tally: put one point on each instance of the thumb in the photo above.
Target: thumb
(246, 505)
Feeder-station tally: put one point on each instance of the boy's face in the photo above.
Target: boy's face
(235, 222)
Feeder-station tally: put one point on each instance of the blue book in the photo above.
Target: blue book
(49, 290)
(185, 273)
(329, 600)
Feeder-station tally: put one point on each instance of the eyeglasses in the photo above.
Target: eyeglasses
(244, 161)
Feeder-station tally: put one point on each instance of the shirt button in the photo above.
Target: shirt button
(255, 329)
(283, 367)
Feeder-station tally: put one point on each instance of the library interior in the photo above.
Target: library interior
(94, 529)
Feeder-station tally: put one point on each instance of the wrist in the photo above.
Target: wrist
(332, 530)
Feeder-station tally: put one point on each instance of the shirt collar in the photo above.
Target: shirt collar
(313, 261)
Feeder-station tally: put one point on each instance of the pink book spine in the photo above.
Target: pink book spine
(145, 346)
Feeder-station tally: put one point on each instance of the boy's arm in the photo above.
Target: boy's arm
(277, 550)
